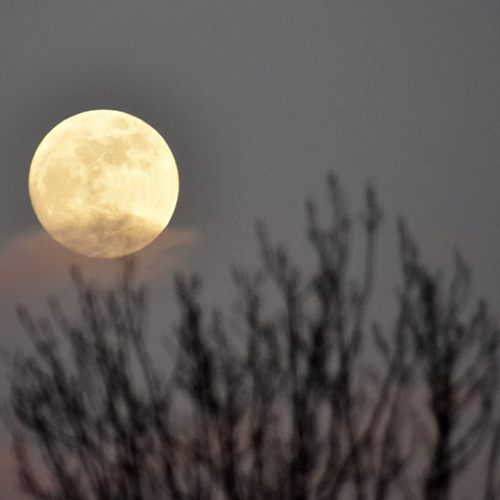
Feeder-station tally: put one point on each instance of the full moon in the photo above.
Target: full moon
(103, 183)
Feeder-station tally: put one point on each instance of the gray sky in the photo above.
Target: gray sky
(258, 100)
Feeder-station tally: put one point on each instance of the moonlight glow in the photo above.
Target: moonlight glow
(103, 183)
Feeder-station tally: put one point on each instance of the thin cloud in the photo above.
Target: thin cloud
(33, 261)
(439, 244)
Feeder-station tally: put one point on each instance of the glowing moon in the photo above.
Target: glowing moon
(103, 183)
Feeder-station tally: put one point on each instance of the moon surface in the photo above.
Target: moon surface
(103, 183)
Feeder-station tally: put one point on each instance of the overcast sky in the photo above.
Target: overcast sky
(258, 101)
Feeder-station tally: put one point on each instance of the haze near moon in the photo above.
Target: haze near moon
(103, 183)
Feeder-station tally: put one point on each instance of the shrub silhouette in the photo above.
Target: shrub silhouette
(279, 402)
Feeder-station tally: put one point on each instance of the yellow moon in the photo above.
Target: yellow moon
(103, 183)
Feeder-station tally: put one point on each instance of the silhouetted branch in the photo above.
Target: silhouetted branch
(292, 395)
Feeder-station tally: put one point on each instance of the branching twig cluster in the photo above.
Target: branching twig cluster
(296, 397)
